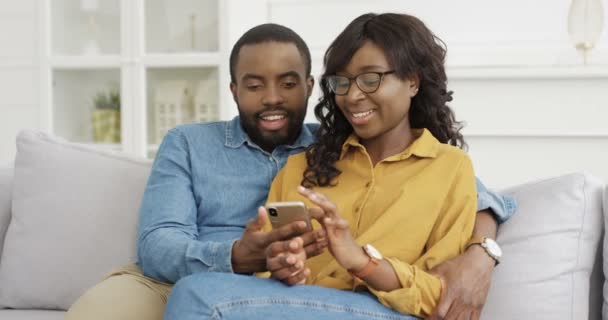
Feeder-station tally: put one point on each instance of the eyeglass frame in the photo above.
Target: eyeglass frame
(350, 81)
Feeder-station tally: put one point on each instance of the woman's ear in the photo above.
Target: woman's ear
(414, 81)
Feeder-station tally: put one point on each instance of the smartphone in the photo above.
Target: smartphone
(282, 213)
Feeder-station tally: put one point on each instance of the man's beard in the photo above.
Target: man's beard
(268, 140)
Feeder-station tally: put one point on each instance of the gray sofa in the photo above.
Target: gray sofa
(68, 215)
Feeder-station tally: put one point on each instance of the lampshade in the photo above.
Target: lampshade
(585, 24)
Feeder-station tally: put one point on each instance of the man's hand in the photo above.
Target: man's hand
(249, 252)
(467, 281)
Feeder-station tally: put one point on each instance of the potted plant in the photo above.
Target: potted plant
(106, 117)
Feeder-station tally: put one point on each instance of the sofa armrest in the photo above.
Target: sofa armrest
(6, 191)
(605, 258)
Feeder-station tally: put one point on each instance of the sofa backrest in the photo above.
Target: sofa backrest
(6, 190)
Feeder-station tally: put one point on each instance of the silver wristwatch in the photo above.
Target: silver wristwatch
(489, 245)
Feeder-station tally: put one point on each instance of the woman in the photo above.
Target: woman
(396, 193)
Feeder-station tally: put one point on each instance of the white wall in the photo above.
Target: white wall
(477, 32)
(532, 109)
(19, 72)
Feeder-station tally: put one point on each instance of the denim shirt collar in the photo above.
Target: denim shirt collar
(236, 136)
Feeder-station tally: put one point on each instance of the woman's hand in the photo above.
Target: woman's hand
(285, 260)
(342, 246)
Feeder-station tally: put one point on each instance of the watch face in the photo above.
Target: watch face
(493, 247)
(372, 252)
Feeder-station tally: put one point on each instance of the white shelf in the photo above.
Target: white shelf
(86, 62)
(547, 135)
(505, 73)
(508, 69)
(182, 60)
(131, 47)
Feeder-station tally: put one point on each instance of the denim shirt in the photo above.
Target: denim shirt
(501, 205)
(206, 183)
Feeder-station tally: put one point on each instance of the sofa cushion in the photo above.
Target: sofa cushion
(74, 218)
(6, 191)
(31, 315)
(550, 246)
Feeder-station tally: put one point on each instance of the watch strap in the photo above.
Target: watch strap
(369, 268)
(475, 240)
(480, 241)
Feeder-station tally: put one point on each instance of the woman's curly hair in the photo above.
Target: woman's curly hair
(412, 50)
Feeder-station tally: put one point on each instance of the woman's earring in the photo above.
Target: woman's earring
(415, 91)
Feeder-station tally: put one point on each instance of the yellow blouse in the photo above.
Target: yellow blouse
(416, 207)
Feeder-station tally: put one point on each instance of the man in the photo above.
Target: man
(199, 209)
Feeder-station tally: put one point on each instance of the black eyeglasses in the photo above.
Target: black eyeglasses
(367, 82)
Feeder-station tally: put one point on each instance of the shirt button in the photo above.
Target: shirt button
(368, 184)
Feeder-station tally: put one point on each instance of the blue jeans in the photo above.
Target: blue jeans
(211, 295)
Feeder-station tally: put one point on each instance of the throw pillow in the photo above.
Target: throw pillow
(550, 246)
(74, 218)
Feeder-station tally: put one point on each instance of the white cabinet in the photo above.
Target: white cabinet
(119, 73)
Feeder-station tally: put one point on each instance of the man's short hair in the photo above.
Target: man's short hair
(266, 33)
